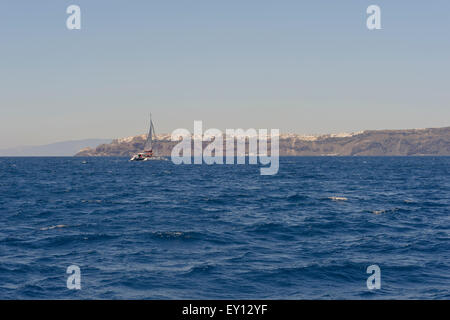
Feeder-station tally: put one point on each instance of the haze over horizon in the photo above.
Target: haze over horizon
(307, 67)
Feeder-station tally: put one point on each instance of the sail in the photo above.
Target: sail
(149, 143)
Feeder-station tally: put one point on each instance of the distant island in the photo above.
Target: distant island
(410, 142)
(57, 149)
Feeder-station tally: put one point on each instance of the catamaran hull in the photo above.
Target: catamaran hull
(149, 159)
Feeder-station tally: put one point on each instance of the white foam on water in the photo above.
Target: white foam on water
(54, 227)
(338, 198)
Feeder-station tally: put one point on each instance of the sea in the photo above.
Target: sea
(156, 230)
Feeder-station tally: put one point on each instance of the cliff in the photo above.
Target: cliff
(433, 141)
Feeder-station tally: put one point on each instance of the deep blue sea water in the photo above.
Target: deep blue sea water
(154, 230)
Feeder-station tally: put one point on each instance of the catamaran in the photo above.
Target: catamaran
(148, 147)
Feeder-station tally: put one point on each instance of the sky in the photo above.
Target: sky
(305, 67)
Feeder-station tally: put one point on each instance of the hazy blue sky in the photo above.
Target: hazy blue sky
(300, 66)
